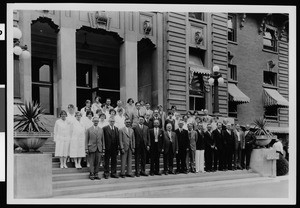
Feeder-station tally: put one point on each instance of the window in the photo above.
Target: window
(231, 27)
(197, 15)
(232, 112)
(84, 84)
(42, 83)
(233, 72)
(269, 40)
(197, 103)
(270, 78)
(17, 89)
(271, 112)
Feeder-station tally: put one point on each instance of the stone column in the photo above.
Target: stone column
(66, 67)
(25, 64)
(128, 69)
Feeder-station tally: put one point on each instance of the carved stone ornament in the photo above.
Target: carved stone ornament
(101, 18)
(198, 37)
(271, 64)
(243, 20)
(147, 27)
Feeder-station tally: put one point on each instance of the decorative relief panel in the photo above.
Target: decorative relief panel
(146, 24)
(198, 35)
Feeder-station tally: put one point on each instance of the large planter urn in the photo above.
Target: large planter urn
(31, 141)
(263, 140)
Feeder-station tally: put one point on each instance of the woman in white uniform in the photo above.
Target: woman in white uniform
(62, 135)
(77, 143)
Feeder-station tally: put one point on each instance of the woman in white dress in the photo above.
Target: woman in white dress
(96, 105)
(130, 109)
(77, 144)
(86, 108)
(87, 120)
(102, 121)
(71, 113)
(62, 135)
(120, 119)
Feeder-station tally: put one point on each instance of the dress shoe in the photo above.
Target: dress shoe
(65, 166)
(122, 176)
(144, 174)
(114, 176)
(130, 175)
(106, 176)
(92, 177)
(158, 173)
(61, 166)
(97, 177)
(166, 173)
(152, 174)
(137, 175)
(171, 172)
(185, 172)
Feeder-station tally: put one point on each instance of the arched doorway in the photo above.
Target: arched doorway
(145, 70)
(97, 65)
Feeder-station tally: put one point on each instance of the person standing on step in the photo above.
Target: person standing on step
(96, 105)
(86, 108)
(127, 145)
(111, 137)
(249, 144)
(237, 148)
(209, 148)
(191, 153)
(156, 143)
(230, 144)
(219, 154)
(170, 149)
(142, 145)
(94, 146)
(200, 148)
(156, 116)
(183, 147)
(62, 136)
(77, 143)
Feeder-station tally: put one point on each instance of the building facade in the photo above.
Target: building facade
(159, 57)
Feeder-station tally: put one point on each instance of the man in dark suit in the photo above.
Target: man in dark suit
(209, 148)
(249, 144)
(156, 143)
(156, 117)
(94, 146)
(127, 145)
(111, 136)
(230, 145)
(220, 153)
(142, 145)
(183, 147)
(170, 149)
(149, 123)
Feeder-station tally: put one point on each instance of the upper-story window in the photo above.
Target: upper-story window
(197, 15)
(269, 39)
(233, 72)
(231, 27)
(270, 78)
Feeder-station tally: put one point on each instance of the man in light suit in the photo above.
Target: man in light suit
(111, 137)
(94, 146)
(127, 145)
(142, 145)
(156, 143)
(237, 148)
(137, 113)
(191, 153)
(249, 144)
(170, 149)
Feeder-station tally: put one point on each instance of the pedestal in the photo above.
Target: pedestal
(263, 161)
(32, 175)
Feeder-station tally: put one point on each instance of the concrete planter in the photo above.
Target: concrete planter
(32, 175)
(263, 161)
(31, 141)
(263, 140)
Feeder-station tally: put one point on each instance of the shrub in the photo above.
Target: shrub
(282, 166)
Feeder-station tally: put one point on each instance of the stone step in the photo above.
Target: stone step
(104, 187)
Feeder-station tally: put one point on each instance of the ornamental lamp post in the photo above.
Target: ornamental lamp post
(215, 80)
(19, 49)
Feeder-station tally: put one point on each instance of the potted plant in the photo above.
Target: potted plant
(30, 132)
(263, 135)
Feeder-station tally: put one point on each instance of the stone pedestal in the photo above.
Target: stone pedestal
(32, 175)
(263, 161)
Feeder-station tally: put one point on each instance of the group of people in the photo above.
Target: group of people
(197, 141)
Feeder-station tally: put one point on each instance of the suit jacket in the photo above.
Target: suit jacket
(208, 140)
(218, 139)
(94, 139)
(142, 136)
(172, 122)
(167, 141)
(250, 140)
(126, 140)
(160, 122)
(200, 144)
(183, 139)
(236, 141)
(193, 139)
(230, 139)
(160, 138)
(149, 123)
(242, 137)
(111, 142)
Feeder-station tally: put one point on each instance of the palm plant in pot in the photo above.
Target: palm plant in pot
(30, 131)
(263, 135)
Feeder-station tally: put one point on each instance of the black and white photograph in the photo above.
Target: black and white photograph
(151, 104)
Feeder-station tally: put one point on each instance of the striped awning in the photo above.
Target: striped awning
(278, 129)
(273, 97)
(196, 65)
(236, 94)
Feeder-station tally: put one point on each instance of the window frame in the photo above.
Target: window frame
(195, 97)
(273, 32)
(234, 29)
(232, 66)
(193, 18)
(271, 117)
(275, 78)
(232, 114)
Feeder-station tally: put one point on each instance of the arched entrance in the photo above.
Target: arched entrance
(97, 65)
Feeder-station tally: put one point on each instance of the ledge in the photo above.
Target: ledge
(269, 51)
(232, 42)
(270, 86)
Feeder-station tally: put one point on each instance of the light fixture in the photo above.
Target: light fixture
(216, 68)
(221, 80)
(211, 81)
(18, 49)
(215, 80)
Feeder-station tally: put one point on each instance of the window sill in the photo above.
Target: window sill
(269, 51)
(270, 86)
(232, 81)
(191, 19)
(232, 42)
(269, 120)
